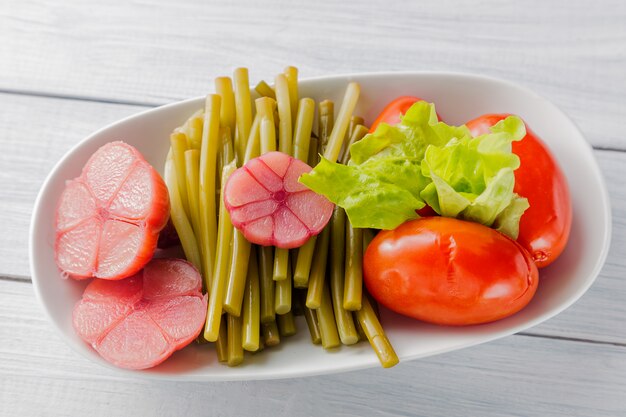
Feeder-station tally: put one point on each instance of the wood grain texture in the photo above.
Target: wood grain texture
(156, 51)
(515, 376)
(111, 59)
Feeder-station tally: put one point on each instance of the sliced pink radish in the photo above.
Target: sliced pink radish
(138, 322)
(270, 207)
(109, 218)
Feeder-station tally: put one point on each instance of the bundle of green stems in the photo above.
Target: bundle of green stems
(255, 291)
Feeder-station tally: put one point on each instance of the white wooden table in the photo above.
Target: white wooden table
(68, 68)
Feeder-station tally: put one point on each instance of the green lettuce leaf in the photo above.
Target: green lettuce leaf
(382, 192)
(381, 185)
(398, 169)
(507, 221)
(473, 179)
(409, 139)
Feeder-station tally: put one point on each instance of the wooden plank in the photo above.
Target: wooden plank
(157, 51)
(154, 51)
(515, 376)
(43, 129)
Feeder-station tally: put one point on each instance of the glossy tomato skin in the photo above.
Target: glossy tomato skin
(392, 112)
(448, 271)
(545, 226)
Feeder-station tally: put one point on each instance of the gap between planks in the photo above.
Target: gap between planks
(570, 339)
(71, 97)
(15, 278)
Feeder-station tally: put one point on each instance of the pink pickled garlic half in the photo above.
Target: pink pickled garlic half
(109, 218)
(138, 322)
(270, 207)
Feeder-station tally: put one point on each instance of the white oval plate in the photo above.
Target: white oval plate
(459, 98)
